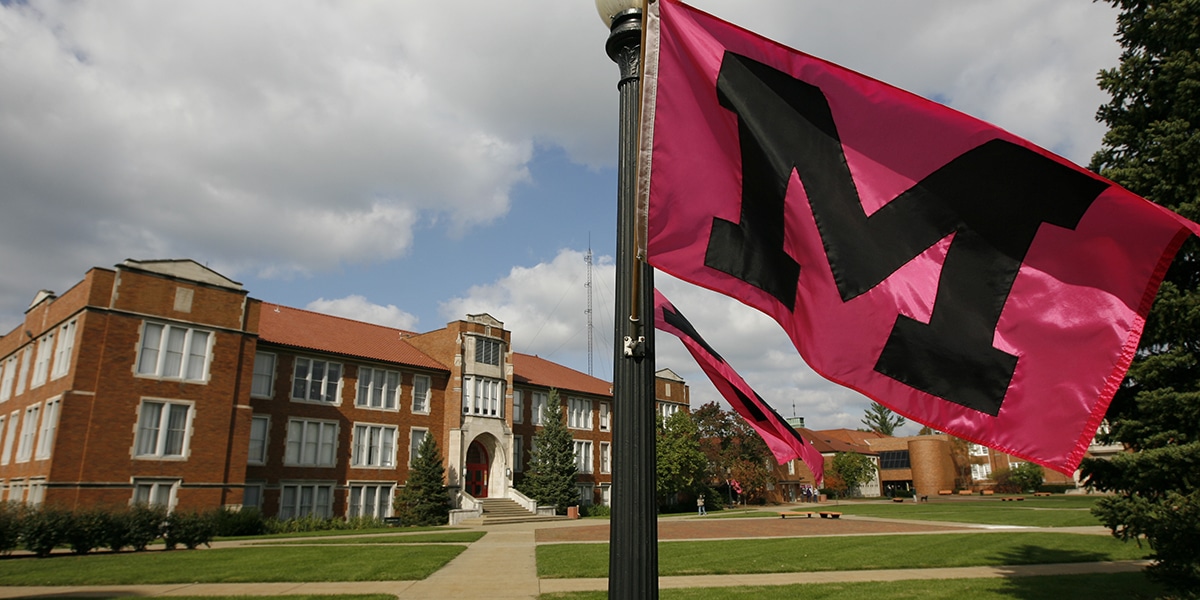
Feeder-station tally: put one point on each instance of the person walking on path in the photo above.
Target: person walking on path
(700, 505)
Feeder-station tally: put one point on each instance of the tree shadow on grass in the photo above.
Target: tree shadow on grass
(1036, 573)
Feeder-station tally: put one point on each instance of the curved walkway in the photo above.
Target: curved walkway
(502, 564)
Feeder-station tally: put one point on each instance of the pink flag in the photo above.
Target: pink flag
(784, 442)
(957, 274)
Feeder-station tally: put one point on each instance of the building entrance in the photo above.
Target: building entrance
(476, 470)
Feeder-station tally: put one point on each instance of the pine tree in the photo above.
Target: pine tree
(1153, 148)
(424, 500)
(550, 478)
(881, 419)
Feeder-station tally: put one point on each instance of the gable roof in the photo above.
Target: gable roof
(182, 268)
(308, 330)
(853, 436)
(533, 370)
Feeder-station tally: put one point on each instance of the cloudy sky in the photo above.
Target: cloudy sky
(406, 163)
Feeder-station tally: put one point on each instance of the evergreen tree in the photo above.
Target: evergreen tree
(424, 500)
(881, 419)
(1153, 148)
(680, 464)
(550, 478)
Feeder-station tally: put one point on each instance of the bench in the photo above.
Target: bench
(965, 492)
(1012, 498)
(1042, 494)
(897, 499)
(793, 513)
(945, 492)
(392, 521)
(830, 515)
(988, 492)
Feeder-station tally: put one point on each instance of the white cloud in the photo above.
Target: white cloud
(360, 309)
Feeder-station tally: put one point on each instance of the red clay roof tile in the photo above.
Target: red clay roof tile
(308, 330)
(533, 370)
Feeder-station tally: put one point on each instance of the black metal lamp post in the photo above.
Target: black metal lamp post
(633, 548)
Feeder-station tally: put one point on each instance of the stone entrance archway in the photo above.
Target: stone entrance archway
(476, 470)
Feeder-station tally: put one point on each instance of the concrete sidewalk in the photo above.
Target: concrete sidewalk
(502, 565)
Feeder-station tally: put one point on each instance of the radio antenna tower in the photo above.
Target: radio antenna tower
(587, 259)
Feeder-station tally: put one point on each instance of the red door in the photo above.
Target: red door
(477, 470)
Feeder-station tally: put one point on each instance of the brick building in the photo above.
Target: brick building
(164, 382)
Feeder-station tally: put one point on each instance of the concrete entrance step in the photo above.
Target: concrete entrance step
(502, 510)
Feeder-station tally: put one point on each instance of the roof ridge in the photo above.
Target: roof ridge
(339, 317)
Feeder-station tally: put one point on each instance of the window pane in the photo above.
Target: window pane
(312, 436)
(318, 379)
(264, 374)
(294, 438)
(176, 430)
(328, 441)
(148, 424)
(300, 383)
(393, 389)
(197, 355)
(151, 341)
(332, 375)
(173, 360)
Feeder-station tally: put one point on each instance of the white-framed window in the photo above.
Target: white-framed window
(311, 443)
(377, 388)
(583, 456)
(518, 406)
(415, 438)
(10, 437)
(260, 427)
(791, 467)
(374, 446)
(23, 374)
(981, 471)
(483, 396)
(518, 454)
(305, 499)
(41, 366)
(16, 491)
(606, 495)
(252, 495)
(36, 492)
(487, 351)
(4, 458)
(28, 433)
(585, 494)
(579, 413)
(62, 354)
(163, 429)
(538, 407)
(316, 380)
(174, 352)
(421, 387)
(155, 492)
(10, 376)
(605, 457)
(45, 442)
(371, 500)
(666, 409)
(263, 382)
(605, 415)
(977, 450)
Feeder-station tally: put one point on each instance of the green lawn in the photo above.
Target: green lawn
(786, 555)
(463, 537)
(232, 565)
(1129, 586)
(335, 532)
(1032, 512)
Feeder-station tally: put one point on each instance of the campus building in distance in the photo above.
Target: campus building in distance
(165, 382)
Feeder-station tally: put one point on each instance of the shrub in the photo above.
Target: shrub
(144, 524)
(86, 530)
(11, 517)
(43, 529)
(595, 510)
(189, 529)
(248, 521)
(115, 531)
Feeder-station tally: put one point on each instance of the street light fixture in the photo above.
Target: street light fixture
(633, 547)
